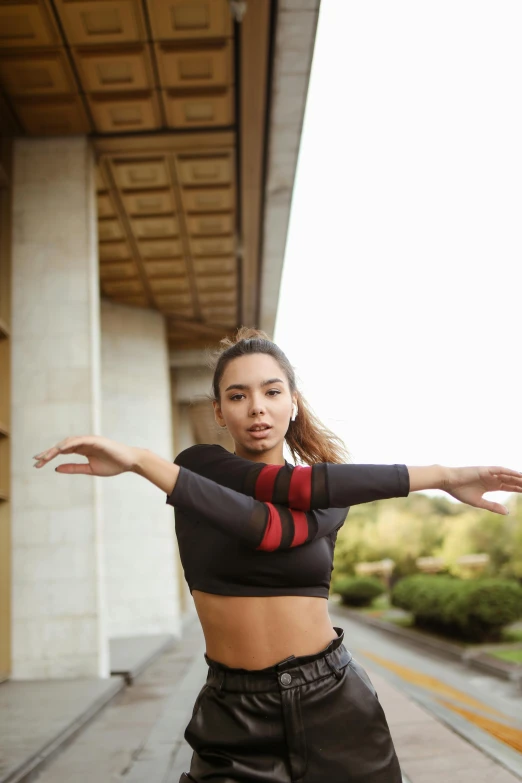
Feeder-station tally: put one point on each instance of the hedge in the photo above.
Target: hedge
(357, 590)
(472, 609)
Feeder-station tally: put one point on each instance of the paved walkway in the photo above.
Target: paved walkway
(481, 707)
(139, 736)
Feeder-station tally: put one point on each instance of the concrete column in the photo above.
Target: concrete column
(141, 560)
(58, 616)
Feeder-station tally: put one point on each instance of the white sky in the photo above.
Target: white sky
(400, 299)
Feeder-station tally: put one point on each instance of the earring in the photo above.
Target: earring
(294, 412)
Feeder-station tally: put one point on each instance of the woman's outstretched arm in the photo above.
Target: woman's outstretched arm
(333, 486)
(262, 525)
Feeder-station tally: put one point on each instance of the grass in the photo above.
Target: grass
(512, 635)
(404, 622)
(513, 656)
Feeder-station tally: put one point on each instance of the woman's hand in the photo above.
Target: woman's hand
(469, 484)
(105, 457)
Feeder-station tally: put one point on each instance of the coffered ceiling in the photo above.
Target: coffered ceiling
(173, 94)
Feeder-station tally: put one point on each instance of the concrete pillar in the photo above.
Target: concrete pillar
(141, 560)
(58, 616)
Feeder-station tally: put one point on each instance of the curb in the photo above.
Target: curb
(130, 673)
(480, 661)
(29, 769)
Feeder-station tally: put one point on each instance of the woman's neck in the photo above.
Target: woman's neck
(273, 456)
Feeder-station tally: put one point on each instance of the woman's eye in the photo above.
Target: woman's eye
(237, 397)
(273, 392)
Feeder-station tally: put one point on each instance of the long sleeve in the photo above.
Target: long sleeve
(222, 492)
(321, 486)
(263, 526)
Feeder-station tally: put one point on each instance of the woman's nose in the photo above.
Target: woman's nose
(257, 407)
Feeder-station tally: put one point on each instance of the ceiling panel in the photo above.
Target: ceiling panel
(122, 286)
(160, 248)
(185, 259)
(114, 251)
(155, 227)
(113, 271)
(125, 112)
(148, 202)
(110, 228)
(212, 246)
(133, 71)
(36, 73)
(221, 265)
(164, 267)
(210, 224)
(181, 20)
(60, 116)
(101, 21)
(209, 199)
(146, 173)
(105, 206)
(169, 285)
(195, 66)
(134, 300)
(210, 108)
(221, 315)
(115, 70)
(206, 170)
(27, 24)
(217, 298)
(222, 282)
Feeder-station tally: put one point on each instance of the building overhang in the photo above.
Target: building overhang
(195, 120)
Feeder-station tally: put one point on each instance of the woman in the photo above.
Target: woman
(284, 700)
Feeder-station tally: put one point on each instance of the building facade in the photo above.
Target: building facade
(147, 159)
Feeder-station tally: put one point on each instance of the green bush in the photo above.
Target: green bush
(357, 590)
(476, 610)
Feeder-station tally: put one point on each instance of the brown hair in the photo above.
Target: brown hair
(308, 439)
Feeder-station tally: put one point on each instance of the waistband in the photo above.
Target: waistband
(290, 672)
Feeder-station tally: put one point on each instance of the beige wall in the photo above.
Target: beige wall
(140, 548)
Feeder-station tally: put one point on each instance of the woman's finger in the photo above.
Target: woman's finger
(71, 467)
(67, 446)
(46, 456)
(504, 471)
(508, 487)
(496, 508)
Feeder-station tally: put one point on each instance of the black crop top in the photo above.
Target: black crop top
(251, 529)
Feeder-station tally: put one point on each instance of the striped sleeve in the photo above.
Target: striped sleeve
(301, 488)
(263, 526)
(326, 485)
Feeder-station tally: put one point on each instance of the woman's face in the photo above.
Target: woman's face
(255, 405)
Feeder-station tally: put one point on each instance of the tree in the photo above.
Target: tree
(404, 529)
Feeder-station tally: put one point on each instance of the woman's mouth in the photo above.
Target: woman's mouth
(259, 430)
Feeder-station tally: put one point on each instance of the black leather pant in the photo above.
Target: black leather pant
(312, 719)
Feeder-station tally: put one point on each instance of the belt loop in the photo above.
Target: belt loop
(286, 660)
(221, 680)
(338, 673)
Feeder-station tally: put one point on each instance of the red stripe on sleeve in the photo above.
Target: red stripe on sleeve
(300, 490)
(274, 530)
(300, 528)
(265, 483)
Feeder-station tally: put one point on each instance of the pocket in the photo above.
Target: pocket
(362, 674)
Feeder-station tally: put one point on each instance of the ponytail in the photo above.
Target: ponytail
(308, 439)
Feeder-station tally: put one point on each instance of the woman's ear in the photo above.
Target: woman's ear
(217, 414)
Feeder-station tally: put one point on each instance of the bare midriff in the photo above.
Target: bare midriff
(256, 632)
